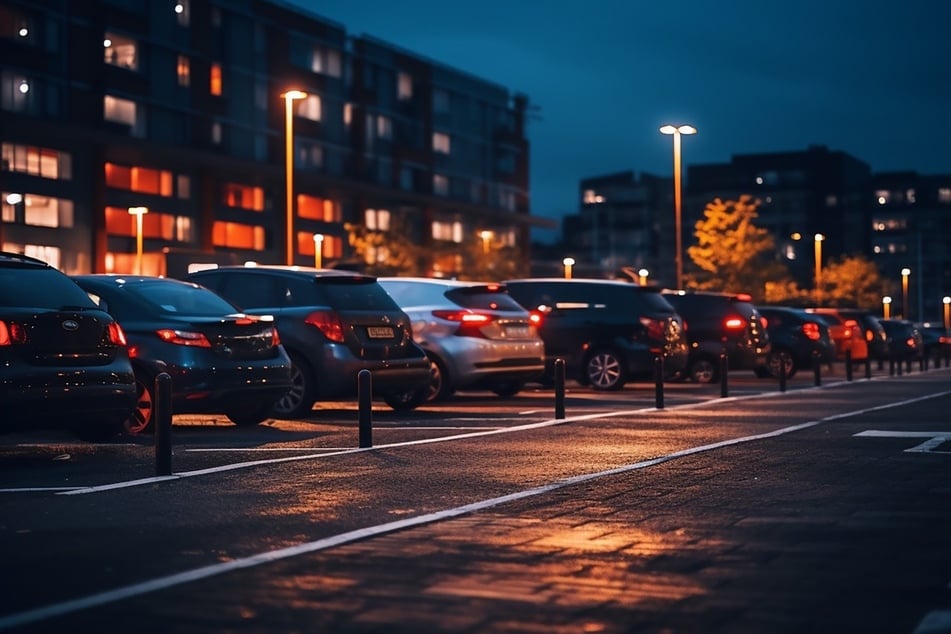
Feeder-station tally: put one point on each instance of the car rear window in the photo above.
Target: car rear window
(481, 298)
(40, 288)
(181, 299)
(354, 293)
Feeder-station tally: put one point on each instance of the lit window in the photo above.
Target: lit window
(119, 110)
(237, 236)
(244, 196)
(182, 13)
(507, 200)
(591, 197)
(37, 161)
(215, 80)
(377, 219)
(882, 196)
(334, 66)
(139, 179)
(440, 185)
(121, 51)
(184, 71)
(184, 186)
(310, 155)
(944, 194)
(910, 195)
(155, 224)
(36, 210)
(347, 114)
(404, 90)
(309, 107)
(832, 200)
(447, 231)
(330, 246)
(384, 127)
(441, 142)
(216, 133)
(316, 208)
(14, 92)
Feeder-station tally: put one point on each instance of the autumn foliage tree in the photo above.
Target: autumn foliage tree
(852, 281)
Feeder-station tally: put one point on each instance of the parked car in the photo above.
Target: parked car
(797, 339)
(936, 339)
(719, 323)
(64, 363)
(847, 333)
(475, 334)
(608, 332)
(219, 359)
(332, 324)
(904, 340)
(875, 336)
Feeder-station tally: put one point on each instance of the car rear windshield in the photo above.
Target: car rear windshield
(482, 298)
(181, 299)
(40, 288)
(353, 293)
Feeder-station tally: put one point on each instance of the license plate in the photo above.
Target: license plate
(380, 332)
(517, 331)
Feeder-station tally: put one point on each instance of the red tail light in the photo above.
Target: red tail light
(183, 338)
(734, 323)
(655, 327)
(536, 318)
(115, 334)
(470, 323)
(944, 339)
(11, 334)
(811, 331)
(849, 325)
(328, 323)
(910, 342)
(275, 338)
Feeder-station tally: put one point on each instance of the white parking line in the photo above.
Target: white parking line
(162, 583)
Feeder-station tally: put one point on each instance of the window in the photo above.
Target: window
(315, 208)
(182, 13)
(309, 155)
(440, 184)
(37, 161)
(216, 133)
(184, 186)
(36, 210)
(347, 114)
(184, 71)
(309, 108)
(910, 196)
(15, 91)
(440, 101)
(384, 127)
(889, 224)
(944, 194)
(882, 196)
(406, 178)
(404, 87)
(334, 65)
(448, 231)
(119, 50)
(215, 80)
(507, 199)
(244, 196)
(119, 110)
(139, 179)
(377, 219)
(237, 236)
(441, 142)
(155, 224)
(330, 246)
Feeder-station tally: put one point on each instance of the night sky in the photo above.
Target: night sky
(871, 78)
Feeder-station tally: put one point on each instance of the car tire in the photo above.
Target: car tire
(773, 359)
(406, 401)
(440, 387)
(703, 370)
(249, 414)
(299, 400)
(142, 420)
(604, 370)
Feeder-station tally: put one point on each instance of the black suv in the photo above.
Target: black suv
(63, 362)
(797, 338)
(606, 331)
(718, 323)
(332, 324)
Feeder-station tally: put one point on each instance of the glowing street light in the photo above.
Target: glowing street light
(905, 272)
(318, 250)
(678, 256)
(289, 97)
(642, 274)
(568, 263)
(887, 307)
(947, 312)
(138, 212)
(818, 239)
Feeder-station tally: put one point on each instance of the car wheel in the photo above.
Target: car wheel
(299, 400)
(604, 370)
(406, 401)
(505, 390)
(142, 420)
(439, 386)
(249, 414)
(703, 370)
(774, 359)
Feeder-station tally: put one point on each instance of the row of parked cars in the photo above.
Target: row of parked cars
(257, 342)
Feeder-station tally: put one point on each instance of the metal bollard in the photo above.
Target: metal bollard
(162, 420)
(365, 407)
(724, 371)
(659, 382)
(868, 366)
(899, 365)
(848, 365)
(891, 366)
(559, 389)
(922, 363)
(817, 372)
(782, 373)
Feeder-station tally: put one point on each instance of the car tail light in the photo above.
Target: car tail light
(655, 327)
(183, 338)
(910, 342)
(734, 323)
(470, 323)
(811, 331)
(115, 335)
(275, 338)
(328, 322)
(535, 318)
(849, 325)
(944, 339)
(11, 334)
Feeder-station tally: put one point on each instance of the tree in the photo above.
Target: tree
(852, 281)
(392, 252)
(733, 254)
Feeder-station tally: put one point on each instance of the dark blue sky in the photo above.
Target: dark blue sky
(868, 77)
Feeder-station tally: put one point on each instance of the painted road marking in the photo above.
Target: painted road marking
(935, 438)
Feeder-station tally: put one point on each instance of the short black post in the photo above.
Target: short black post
(365, 407)
(891, 365)
(817, 371)
(899, 365)
(724, 371)
(848, 365)
(868, 366)
(559, 389)
(922, 363)
(782, 371)
(659, 382)
(162, 420)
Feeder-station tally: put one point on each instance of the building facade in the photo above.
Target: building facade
(183, 110)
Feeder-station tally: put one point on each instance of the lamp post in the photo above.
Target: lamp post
(905, 313)
(818, 239)
(289, 97)
(318, 250)
(887, 307)
(138, 212)
(642, 274)
(568, 263)
(676, 131)
(947, 312)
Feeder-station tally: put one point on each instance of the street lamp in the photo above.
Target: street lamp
(887, 307)
(905, 313)
(138, 212)
(678, 256)
(642, 274)
(568, 262)
(947, 312)
(289, 98)
(318, 250)
(819, 238)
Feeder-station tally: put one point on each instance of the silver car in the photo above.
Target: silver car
(475, 334)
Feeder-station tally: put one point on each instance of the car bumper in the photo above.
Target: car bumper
(338, 371)
(470, 361)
